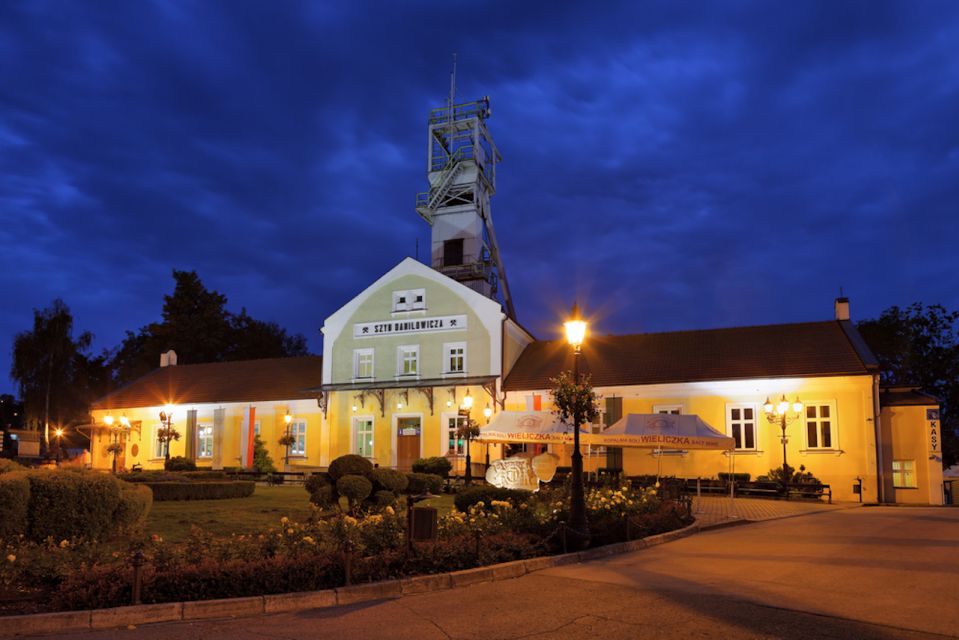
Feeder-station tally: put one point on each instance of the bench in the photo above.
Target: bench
(810, 490)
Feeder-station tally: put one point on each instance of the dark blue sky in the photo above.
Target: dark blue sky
(674, 165)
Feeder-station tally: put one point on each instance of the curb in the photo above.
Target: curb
(129, 616)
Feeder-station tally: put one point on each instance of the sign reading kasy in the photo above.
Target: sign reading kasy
(409, 325)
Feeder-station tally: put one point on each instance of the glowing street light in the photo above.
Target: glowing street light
(780, 415)
(575, 336)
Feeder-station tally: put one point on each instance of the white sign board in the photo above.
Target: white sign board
(409, 325)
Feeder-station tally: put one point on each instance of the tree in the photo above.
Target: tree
(920, 345)
(574, 398)
(55, 376)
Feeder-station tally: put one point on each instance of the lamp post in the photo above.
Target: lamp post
(779, 414)
(468, 406)
(575, 335)
(167, 432)
(287, 438)
(487, 413)
(116, 432)
(59, 435)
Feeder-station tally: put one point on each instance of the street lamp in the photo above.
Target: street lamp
(58, 432)
(468, 406)
(167, 433)
(575, 335)
(487, 413)
(779, 414)
(287, 437)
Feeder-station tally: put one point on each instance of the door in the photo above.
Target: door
(408, 432)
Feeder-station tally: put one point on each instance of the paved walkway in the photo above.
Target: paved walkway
(711, 510)
(881, 573)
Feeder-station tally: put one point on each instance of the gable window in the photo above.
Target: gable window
(741, 425)
(298, 431)
(904, 474)
(408, 360)
(409, 300)
(363, 364)
(821, 425)
(363, 436)
(454, 360)
(204, 441)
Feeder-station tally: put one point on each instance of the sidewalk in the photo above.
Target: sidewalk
(712, 510)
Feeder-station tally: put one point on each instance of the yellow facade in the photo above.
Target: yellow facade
(913, 470)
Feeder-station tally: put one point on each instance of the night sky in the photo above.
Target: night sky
(674, 165)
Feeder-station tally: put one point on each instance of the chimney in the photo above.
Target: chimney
(842, 309)
(168, 359)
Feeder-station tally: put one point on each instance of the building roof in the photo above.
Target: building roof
(905, 396)
(239, 381)
(772, 351)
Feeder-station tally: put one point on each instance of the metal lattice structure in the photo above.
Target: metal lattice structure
(461, 167)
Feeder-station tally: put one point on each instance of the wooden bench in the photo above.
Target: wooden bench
(809, 490)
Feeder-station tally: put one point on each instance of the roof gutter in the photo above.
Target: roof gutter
(877, 426)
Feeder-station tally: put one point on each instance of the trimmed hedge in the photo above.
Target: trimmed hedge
(354, 488)
(437, 465)
(7, 464)
(316, 481)
(350, 465)
(14, 501)
(204, 490)
(173, 476)
(389, 480)
(179, 463)
(420, 482)
(136, 500)
(486, 494)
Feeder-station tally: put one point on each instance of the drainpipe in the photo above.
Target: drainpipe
(877, 426)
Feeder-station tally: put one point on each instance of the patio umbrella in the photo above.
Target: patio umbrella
(542, 427)
(662, 431)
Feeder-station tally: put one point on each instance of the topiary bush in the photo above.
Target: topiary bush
(350, 464)
(389, 480)
(322, 497)
(14, 501)
(262, 461)
(205, 490)
(316, 481)
(354, 488)
(9, 465)
(179, 463)
(420, 482)
(437, 465)
(71, 505)
(384, 498)
(486, 494)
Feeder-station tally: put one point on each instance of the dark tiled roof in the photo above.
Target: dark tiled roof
(240, 381)
(904, 396)
(773, 351)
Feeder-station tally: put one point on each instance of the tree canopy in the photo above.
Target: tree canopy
(919, 345)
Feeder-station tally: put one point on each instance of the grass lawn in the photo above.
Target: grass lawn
(172, 519)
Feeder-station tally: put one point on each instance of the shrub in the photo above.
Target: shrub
(71, 505)
(350, 464)
(179, 463)
(384, 498)
(14, 500)
(389, 480)
(421, 482)
(262, 461)
(136, 500)
(9, 465)
(207, 490)
(315, 482)
(738, 477)
(437, 465)
(486, 494)
(323, 496)
(355, 488)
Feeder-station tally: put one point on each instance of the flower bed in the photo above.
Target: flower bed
(316, 553)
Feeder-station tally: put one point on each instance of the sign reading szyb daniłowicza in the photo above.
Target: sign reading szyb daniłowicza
(409, 325)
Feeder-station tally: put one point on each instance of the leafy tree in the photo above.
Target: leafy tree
(262, 461)
(920, 345)
(574, 398)
(56, 377)
(196, 324)
(11, 412)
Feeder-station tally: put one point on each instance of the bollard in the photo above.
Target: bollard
(562, 533)
(348, 564)
(137, 560)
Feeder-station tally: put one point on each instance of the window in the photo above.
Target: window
(204, 441)
(363, 364)
(454, 360)
(409, 300)
(454, 445)
(820, 425)
(741, 425)
(904, 474)
(452, 252)
(256, 428)
(298, 431)
(159, 448)
(672, 409)
(363, 437)
(408, 360)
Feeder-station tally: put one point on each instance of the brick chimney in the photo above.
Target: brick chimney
(842, 308)
(168, 359)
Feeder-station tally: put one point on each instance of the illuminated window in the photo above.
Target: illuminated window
(159, 448)
(408, 360)
(363, 364)
(298, 431)
(454, 446)
(204, 441)
(741, 425)
(904, 474)
(821, 425)
(363, 437)
(454, 360)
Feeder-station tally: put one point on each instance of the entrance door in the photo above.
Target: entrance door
(408, 431)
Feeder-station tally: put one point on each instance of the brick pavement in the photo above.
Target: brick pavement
(712, 510)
